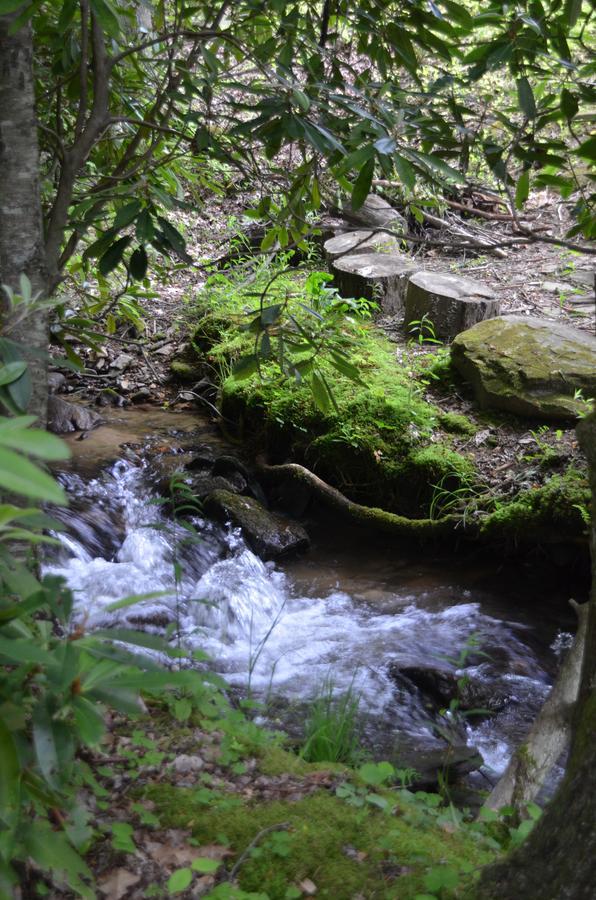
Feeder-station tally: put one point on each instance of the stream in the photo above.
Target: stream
(351, 612)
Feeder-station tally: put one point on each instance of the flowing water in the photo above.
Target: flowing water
(348, 611)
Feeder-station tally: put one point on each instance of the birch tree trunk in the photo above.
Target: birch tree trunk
(557, 862)
(21, 231)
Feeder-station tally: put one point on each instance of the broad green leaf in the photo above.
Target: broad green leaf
(25, 651)
(113, 255)
(522, 189)
(145, 229)
(10, 6)
(587, 150)
(406, 173)
(205, 866)
(11, 371)
(51, 851)
(362, 185)
(245, 367)
(179, 881)
(320, 392)
(20, 476)
(10, 770)
(572, 11)
(106, 16)
(127, 214)
(44, 742)
(525, 96)
(134, 599)
(35, 442)
(569, 104)
(138, 263)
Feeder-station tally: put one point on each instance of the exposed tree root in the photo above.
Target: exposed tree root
(371, 517)
(550, 734)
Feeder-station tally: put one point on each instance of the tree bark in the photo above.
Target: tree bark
(557, 860)
(21, 231)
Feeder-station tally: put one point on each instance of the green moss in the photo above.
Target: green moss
(558, 507)
(184, 371)
(455, 423)
(394, 852)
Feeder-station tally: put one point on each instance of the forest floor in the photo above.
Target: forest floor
(536, 280)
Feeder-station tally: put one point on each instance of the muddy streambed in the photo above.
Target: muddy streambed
(351, 612)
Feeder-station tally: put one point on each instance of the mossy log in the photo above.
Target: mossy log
(371, 517)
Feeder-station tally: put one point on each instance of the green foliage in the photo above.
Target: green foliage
(331, 731)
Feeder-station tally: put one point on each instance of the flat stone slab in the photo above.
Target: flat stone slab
(531, 367)
(382, 277)
(354, 242)
(451, 303)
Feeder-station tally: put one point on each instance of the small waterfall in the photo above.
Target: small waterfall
(257, 626)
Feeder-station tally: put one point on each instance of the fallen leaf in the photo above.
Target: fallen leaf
(116, 883)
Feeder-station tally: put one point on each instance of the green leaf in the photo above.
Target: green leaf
(205, 866)
(522, 189)
(45, 744)
(113, 255)
(10, 6)
(361, 188)
(10, 776)
(126, 214)
(89, 721)
(245, 367)
(587, 150)
(403, 46)
(122, 833)
(11, 371)
(134, 599)
(320, 392)
(406, 173)
(24, 651)
(376, 773)
(179, 880)
(33, 441)
(145, 229)
(174, 239)
(525, 97)
(569, 104)
(106, 16)
(572, 11)
(20, 476)
(139, 263)
(51, 851)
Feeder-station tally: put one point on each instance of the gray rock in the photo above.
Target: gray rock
(375, 212)
(355, 242)
(64, 416)
(431, 766)
(56, 381)
(122, 362)
(531, 367)
(451, 303)
(441, 686)
(377, 276)
(269, 534)
(186, 765)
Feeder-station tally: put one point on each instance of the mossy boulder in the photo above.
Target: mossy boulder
(530, 367)
(269, 534)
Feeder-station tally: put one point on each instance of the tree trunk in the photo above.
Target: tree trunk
(557, 860)
(21, 231)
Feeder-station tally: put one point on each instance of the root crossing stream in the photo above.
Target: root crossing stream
(282, 632)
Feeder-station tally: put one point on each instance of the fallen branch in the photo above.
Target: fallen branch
(370, 516)
(550, 734)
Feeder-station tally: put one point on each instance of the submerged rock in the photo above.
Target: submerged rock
(531, 367)
(64, 417)
(451, 303)
(269, 534)
(450, 764)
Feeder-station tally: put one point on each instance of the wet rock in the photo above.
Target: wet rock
(451, 303)
(64, 416)
(199, 484)
(202, 458)
(269, 534)
(142, 395)
(355, 242)
(449, 764)
(377, 276)
(441, 686)
(56, 382)
(185, 371)
(531, 367)
(110, 397)
(375, 212)
(186, 765)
